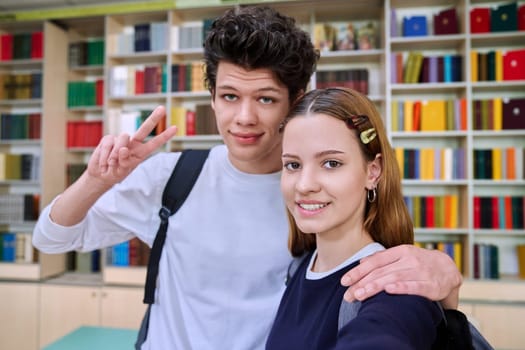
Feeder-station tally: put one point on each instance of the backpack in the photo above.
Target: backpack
(177, 189)
(454, 332)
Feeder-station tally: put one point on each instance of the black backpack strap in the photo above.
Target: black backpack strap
(177, 188)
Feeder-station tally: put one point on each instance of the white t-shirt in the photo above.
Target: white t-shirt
(224, 262)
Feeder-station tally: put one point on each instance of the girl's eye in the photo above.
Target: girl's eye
(291, 165)
(330, 164)
(229, 97)
(266, 100)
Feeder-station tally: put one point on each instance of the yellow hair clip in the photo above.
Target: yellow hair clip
(368, 135)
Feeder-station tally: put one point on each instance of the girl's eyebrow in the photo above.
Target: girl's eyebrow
(317, 155)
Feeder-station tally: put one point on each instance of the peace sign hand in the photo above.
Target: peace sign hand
(115, 157)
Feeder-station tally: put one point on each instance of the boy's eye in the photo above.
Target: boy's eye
(266, 100)
(229, 97)
(291, 165)
(332, 164)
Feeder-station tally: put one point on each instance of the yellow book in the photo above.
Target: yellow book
(178, 118)
(400, 157)
(433, 115)
(499, 65)
(458, 255)
(497, 112)
(416, 217)
(408, 116)
(416, 70)
(496, 163)
(395, 116)
(454, 211)
(473, 66)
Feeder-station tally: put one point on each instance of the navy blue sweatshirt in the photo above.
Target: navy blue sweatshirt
(307, 318)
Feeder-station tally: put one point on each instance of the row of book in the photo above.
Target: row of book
(129, 80)
(445, 22)
(197, 121)
(143, 37)
(28, 45)
(499, 212)
(86, 53)
(129, 120)
(498, 114)
(85, 93)
(415, 67)
(21, 86)
(433, 211)
(500, 18)
(20, 126)
(454, 249)
(499, 163)
(497, 65)
(83, 133)
(339, 36)
(431, 163)
(187, 77)
(429, 115)
(83, 262)
(356, 79)
(190, 35)
(486, 261)
(19, 207)
(24, 166)
(130, 253)
(16, 247)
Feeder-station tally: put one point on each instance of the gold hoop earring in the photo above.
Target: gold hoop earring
(371, 195)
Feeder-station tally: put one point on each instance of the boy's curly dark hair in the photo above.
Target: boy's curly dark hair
(260, 37)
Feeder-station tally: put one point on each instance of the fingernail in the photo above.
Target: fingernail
(349, 297)
(345, 281)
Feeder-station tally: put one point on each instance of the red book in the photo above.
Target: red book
(480, 20)
(70, 137)
(508, 212)
(416, 124)
(139, 81)
(463, 113)
(514, 65)
(6, 47)
(446, 22)
(429, 221)
(37, 45)
(521, 17)
(190, 122)
(495, 212)
(477, 212)
(99, 92)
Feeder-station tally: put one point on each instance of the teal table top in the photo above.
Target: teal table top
(99, 338)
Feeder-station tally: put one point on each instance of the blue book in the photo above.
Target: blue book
(9, 246)
(415, 26)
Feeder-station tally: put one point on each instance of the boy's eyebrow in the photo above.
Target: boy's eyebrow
(263, 89)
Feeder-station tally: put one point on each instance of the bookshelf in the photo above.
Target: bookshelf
(162, 43)
(37, 99)
(126, 54)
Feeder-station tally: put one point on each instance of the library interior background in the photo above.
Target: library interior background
(448, 77)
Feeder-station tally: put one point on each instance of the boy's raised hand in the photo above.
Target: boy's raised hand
(116, 156)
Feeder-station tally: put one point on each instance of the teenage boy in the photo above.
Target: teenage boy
(224, 262)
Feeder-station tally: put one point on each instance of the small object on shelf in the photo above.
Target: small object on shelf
(415, 26)
(504, 18)
(480, 20)
(446, 22)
